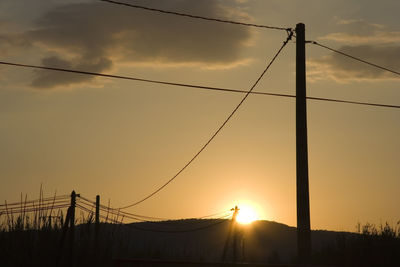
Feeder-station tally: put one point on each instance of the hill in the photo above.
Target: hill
(202, 240)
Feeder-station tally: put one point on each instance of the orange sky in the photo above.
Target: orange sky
(123, 139)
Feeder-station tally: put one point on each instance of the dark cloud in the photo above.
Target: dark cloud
(384, 56)
(342, 68)
(361, 32)
(11, 42)
(359, 27)
(369, 42)
(50, 79)
(90, 36)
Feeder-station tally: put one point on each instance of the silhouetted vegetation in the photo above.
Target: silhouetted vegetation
(36, 241)
(372, 246)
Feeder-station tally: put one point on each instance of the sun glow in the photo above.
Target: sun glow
(246, 215)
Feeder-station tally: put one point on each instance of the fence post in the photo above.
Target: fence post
(63, 234)
(69, 221)
(72, 228)
(97, 217)
(97, 225)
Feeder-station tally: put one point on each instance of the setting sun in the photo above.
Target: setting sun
(246, 215)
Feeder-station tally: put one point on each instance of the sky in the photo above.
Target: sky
(124, 139)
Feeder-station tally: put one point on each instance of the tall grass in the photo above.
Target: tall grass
(34, 234)
(34, 237)
(371, 246)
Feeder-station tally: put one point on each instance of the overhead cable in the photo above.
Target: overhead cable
(355, 58)
(91, 204)
(201, 87)
(40, 200)
(214, 214)
(218, 221)
(352, 102)
(195, 16)
(218, 130)
(37, 209)
(115, 211)
(21, 207)
(105, 218)
(133, 78)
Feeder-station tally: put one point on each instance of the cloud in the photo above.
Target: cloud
(371, 42)
(47, 79)
(359, 32)
(93, 36)
(344, 69)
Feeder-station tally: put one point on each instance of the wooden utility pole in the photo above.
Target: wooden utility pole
(228, 238)
(303, 203)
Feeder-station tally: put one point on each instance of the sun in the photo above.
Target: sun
(246, 214)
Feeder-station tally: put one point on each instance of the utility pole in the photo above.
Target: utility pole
(303, 202)
(235, 235)
(231, 229)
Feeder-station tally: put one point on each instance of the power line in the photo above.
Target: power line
(40, 200)
(215, 214)
(201, 87)
(115, 76)
(352, 102)
(36, 209)
(106, 218)
(163, 223)
(195, 16)
(218, 130)
(219, 221)
(115, 211)
(168, 222)
(135, 79)
(143, 218)
(21, 207)
(355, 58)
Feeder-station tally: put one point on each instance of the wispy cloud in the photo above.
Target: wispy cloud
(343, 69)
(46, 79)
(93, 36)
(371, 42)
(359, 32)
